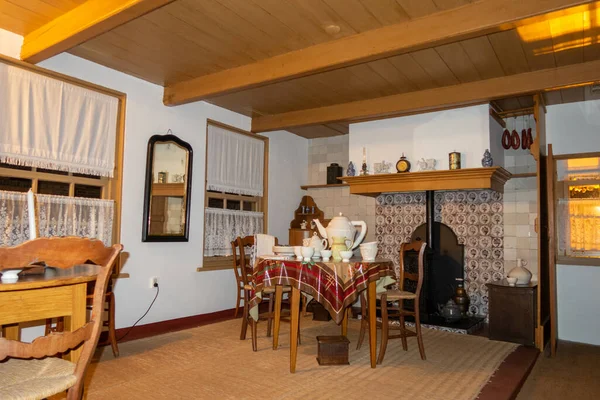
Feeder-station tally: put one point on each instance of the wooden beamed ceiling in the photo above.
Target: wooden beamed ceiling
(84, 22)
(269, 59)
(473, 20)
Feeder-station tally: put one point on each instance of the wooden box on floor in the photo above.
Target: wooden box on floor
(333, 350)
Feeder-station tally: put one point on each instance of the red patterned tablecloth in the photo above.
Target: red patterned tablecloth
(336, 285)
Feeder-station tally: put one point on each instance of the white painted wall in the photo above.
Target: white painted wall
(183, 291)
(10, 44)
(288, 169)
(575, 128)
(430, 135)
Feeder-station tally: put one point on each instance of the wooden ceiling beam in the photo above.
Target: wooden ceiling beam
(446, 97)
(92, 18)
(475, 19)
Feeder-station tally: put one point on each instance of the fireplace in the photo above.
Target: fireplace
(443, 265)
(471, 219)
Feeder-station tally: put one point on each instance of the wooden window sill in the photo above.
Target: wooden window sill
(216, 264)
(581, 261)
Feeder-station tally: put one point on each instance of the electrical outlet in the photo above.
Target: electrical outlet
(153, 282)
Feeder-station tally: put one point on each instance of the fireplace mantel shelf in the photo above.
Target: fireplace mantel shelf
(459, 179)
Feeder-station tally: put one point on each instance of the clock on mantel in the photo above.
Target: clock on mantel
(460, 179)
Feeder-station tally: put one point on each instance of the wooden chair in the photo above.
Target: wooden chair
(392, 305)
(238, 246)
(109, 322)
(238, 273)
(29, 372)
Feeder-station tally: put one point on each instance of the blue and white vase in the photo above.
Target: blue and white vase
(350, 171)
(487, 160)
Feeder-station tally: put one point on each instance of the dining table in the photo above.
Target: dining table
(52, 293)
(336, 285)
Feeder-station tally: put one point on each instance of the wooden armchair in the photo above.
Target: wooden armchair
(28, 370)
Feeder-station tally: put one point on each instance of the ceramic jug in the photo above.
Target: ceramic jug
(522, 274)
(318, 244)
(338, 243)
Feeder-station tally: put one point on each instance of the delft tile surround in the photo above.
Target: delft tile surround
(476, 217)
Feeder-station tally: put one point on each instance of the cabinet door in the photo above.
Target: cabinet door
(512, 315)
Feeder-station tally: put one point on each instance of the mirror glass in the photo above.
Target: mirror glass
(168, 184)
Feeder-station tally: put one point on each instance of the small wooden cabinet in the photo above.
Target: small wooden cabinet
(306, 211)
(297, 235)
(512, 312)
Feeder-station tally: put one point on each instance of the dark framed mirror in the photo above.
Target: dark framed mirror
(168, 189)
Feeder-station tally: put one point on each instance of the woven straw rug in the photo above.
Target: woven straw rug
(210, 362)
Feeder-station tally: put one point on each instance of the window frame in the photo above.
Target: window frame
(226, 262)
(114, 187)
(561, 191)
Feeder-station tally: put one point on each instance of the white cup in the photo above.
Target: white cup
(298, 252)
(346, 255)
(325, 254)
(368, 253)
(307, 252)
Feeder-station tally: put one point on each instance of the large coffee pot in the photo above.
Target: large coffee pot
(341, 226)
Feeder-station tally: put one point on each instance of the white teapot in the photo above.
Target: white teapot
(316, 243)
(341, 226)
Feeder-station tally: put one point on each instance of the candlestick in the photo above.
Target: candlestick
(364, 155)
(31, 212)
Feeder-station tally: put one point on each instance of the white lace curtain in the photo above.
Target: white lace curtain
(58, 216)
(48, 123)
(223, 226)
(578, 227)
(235, 162)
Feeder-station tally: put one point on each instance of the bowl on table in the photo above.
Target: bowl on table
(10, 275)
(307, 252)
(511, 281)
(298, 252)
(346, 255)
(368, 253)
(283, 250)
(326, 254)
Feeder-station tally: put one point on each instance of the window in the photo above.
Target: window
(235, 197)
(578, 207)
(44, 181)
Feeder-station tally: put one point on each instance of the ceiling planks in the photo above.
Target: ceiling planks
(471, 20)
(82, 23)
(24, 16)
(435, 99)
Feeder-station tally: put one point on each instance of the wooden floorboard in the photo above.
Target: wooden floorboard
(508, 379)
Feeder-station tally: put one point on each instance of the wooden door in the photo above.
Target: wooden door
(551, 204)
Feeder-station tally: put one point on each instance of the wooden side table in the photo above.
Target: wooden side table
(512, 312)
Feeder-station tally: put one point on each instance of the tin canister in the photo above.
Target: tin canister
(454, 160)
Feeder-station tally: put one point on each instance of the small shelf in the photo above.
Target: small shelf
(333, 185)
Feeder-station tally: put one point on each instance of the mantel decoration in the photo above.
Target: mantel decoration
(364, 170)
(487, 160)
(351, 171)
(382, 167)
(454, 160)
(168, 188)
(403, 165)
(427, 165)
